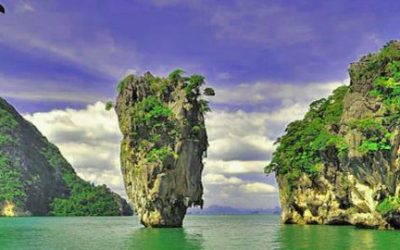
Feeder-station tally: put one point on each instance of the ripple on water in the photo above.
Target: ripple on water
(199, 232)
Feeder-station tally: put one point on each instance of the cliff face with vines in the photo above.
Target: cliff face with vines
(164, 142)
(340, 164)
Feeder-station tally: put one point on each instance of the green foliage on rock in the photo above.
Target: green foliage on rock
(204, 106)
(123, 83)
(159, 85)
(11, 185)
(209, 92)
(7, 125)
(160, 154)
(386, 87)
(155, 128)
(388, 205)
(109, 105)
(302, 148)
(375, 136)
(372, 64)
(155, 110)
(151, 116)
(193, 85)
(85, 199)
(175, 75)
(154, 125)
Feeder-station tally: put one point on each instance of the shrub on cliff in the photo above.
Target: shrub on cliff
(209, 92)
(122, 84)
(109, 105)
(176, 75)
(389, 205)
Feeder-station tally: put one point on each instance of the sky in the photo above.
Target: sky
(267, 60)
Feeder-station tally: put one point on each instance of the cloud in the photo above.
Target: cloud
(245, 195)
(163, 3)
(25, 7)
(247, 148)
(258, 188)
(37, 94)
(47, 90)
(219, 179)
(258, 22)
(243, 141)
(277, 93)
(252, 21)
(233, 167)
(51, 33)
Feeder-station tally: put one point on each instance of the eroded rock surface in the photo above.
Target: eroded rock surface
(340, 164)
(164, 142)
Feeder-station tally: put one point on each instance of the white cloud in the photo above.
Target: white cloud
(219, 179)
(233, 167)
(25, 7)
(267, 92)
(258, 188)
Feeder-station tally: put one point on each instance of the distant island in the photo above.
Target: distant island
(226, 210)
(35, 179)
(340, 164)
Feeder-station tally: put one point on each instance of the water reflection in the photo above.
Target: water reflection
(164, 238)
(7, 235)
(199, 232)
(335, 237)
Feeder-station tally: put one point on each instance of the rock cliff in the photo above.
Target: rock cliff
(35, 179)
(164, 142)
(340, 164)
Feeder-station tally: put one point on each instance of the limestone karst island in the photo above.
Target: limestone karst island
(199, 125)
(340, 164)
(164, 142)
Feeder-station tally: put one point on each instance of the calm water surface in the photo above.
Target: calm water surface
(199, 232)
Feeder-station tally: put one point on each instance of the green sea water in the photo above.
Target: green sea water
(199, 232)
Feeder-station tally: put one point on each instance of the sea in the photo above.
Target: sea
(199, 232)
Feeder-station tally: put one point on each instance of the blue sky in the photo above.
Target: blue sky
(266, 59)
(87, 46)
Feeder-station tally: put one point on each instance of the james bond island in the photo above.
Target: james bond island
(35, 179)
(164, 142)
(340, 164)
